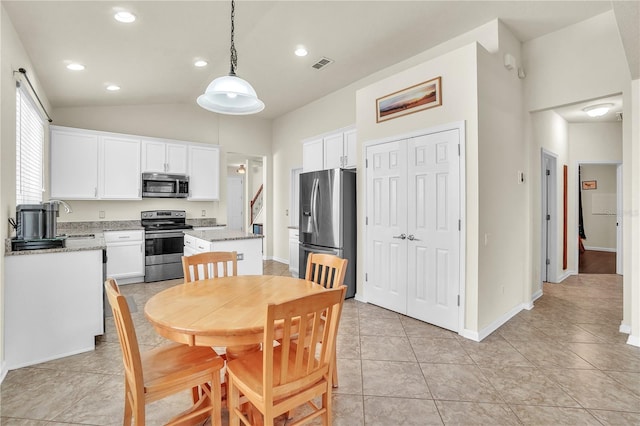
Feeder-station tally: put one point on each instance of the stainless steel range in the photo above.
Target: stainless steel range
(164, 243)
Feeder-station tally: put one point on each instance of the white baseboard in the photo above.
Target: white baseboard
(3, 371)
(633, 341)
(479, 336)
(529, 305)
(360, 298)
(281, 260)
(610, 250)
(624, 328)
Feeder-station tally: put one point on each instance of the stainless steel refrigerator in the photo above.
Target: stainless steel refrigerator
(328, 218)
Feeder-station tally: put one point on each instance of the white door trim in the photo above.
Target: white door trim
(460, 126)
(548, 203)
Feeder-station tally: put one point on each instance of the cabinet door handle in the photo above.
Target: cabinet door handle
(124, 237)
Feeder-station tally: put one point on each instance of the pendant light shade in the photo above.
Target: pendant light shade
(230, 94)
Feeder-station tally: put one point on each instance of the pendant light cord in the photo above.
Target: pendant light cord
(234, 54)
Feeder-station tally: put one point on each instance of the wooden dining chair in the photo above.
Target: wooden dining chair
(329, 271)
(164, 370)
(283, 377)
(210, 264)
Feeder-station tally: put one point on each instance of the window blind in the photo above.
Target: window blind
(29, 150)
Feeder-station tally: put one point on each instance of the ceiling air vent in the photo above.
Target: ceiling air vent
(323, 62)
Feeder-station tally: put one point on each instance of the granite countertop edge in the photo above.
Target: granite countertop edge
(221, 235)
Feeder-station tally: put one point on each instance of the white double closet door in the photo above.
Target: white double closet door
(413, 236)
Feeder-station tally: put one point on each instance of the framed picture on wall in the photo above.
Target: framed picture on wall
(425, 95)
(589, 184)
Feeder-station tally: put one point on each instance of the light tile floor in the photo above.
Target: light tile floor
(563, 362)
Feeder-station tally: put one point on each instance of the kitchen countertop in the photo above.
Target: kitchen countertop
(77, 242)
(221, 235)
(80, 236)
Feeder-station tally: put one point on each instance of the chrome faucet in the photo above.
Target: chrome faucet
(67, 207)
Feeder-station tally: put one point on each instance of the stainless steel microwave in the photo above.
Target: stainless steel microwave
(162, 185)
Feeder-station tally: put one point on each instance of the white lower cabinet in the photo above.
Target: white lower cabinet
(52, 306)
(125, 256)
(294, 256)
(249, 251)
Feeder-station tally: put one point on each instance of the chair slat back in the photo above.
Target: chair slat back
(309, 321)
(326, 269)
(127, 337)
(212, 264)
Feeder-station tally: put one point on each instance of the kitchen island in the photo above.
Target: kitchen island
(247, 245)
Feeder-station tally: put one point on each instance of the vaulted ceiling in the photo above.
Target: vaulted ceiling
(152, 58)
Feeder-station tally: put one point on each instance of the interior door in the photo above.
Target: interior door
(433, 235)
(387, 226)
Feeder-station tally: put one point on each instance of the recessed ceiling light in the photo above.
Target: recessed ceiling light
(74, 66)
(597, 110)
(124, 16)
(200, 63)
(113, 87)
(301, 51)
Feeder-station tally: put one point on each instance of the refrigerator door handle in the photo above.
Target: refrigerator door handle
(314, 207)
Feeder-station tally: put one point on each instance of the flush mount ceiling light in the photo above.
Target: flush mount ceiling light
(230, 94)
(113, 87)
(200, 63)
(301, 51)
(597, 110)
(241, 169)
(124, 16)
(74, 66)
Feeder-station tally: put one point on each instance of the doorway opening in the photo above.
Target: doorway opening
(600, 222)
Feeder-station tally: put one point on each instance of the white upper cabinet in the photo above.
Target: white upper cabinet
(312, 155)
(94, 165)
(164, 157)
(350, 149)
(332, 151)
(89, 165)
(120, 169)
(74, 164)
(204, 172)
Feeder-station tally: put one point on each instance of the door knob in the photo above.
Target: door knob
(401, 236)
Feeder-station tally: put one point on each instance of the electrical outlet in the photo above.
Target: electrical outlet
(204, 213)
(101, 214)
(286, 212)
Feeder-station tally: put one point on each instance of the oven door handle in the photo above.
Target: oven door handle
(155, 235)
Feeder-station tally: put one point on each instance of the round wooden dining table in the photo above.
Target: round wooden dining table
(225, 311)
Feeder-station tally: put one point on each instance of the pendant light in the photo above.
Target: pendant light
(230, 94)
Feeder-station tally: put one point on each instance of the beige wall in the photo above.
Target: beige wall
(458, 70)
(599, 214)
(549, 132)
